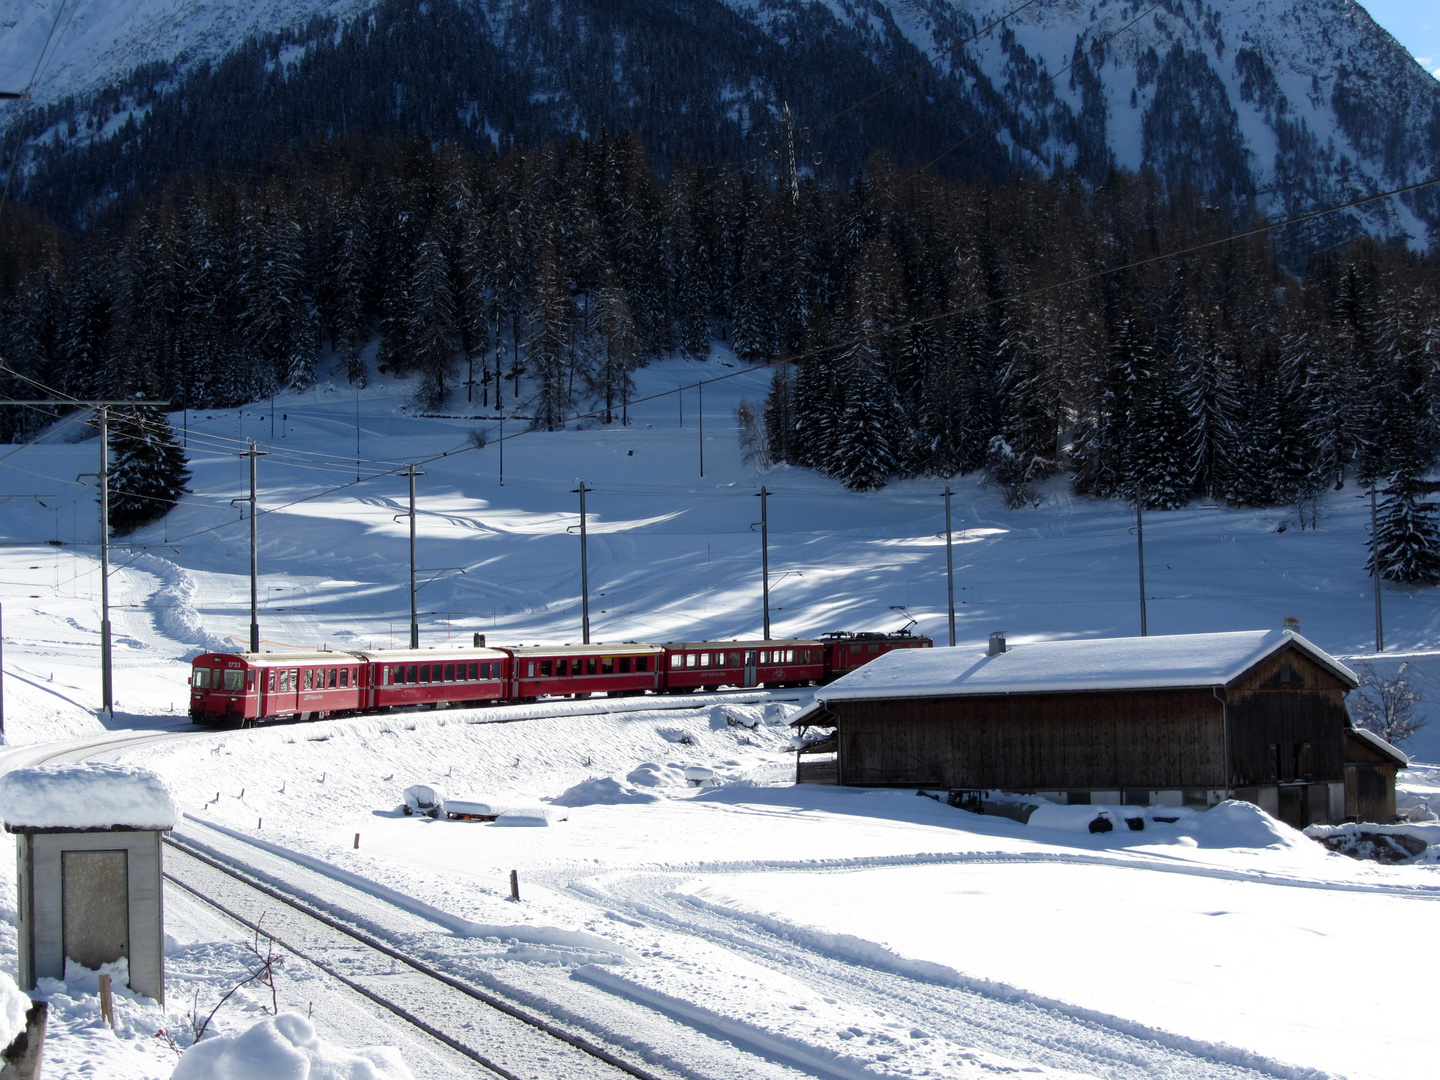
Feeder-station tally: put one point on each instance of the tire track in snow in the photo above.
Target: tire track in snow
(971, 1012)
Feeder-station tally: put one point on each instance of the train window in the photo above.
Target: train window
(344, 677)
(854, 650)
(306, 675)
(202, 678)
(590, 665)
(425, 672)
(530, 669)
(734, 659)
(689, 659)
(562, 666)
(410, 673)
(642, 663)
(234, 680)
(607, 665)
(332, 679)
(474, 672)
(873, 649)
(789, 656)
(624, 665)
(704, 659)
(546, 668)
(764, 656)
(270, 682)
(399, 673)
(450, 672)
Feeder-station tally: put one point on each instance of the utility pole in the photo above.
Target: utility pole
(1375, 569)
(107, 696)
(700, 390)
(501, 441)
(584, 565)
(254, 455)
(1140, 547)
(949, 564)
(412, 472)
(764, 497)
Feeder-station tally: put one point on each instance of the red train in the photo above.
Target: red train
(246, 688)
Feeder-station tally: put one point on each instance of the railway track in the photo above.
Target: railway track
(499, 1037)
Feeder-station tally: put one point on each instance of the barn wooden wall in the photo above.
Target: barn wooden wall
(1111, 740)
(1287, 732)
(1144, 740)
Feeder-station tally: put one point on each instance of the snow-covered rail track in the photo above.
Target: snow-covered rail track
(501, 1038)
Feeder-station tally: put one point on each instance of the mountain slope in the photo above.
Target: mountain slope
(1294, 105)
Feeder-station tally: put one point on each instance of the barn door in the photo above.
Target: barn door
(95, 907)
(751, 673)
(1292, 805)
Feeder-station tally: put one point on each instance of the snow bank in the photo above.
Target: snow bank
(1231, 824)
(285, 1047)
(477, 806)
(82, 795)
(13, 1006)
(530, 816)
(602, 791)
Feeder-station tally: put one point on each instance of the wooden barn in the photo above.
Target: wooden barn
(1184, 720)
(1370, 767)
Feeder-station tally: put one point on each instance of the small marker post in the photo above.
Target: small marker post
(107, 1001)
(357, 840)
(258, 823)
(514, 884)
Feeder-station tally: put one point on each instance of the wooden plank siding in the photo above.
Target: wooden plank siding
(1287, 732)
(1111, 739)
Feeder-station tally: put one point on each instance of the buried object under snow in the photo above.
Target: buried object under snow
(424, 800)
(285, 1047)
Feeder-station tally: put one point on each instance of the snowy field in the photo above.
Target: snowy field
(831, 933)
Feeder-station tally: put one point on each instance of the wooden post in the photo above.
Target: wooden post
(357, 840)
(514, 885)
(107, 1001)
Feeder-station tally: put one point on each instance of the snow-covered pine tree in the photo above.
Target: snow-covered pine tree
(549, 345)
(149, 474)
(779, 415)
(1407, 538)
(428, 323)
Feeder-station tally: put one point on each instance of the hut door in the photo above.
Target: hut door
(750, 668)
(95, 906)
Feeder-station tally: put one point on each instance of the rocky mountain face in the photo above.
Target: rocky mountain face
(1285, 105)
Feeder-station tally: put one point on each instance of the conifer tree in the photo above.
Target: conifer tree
(148, 475)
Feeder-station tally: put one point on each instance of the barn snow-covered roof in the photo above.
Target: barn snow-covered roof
(1130, 663)
(1380, 746)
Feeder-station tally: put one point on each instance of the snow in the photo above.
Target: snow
(1175, 660)
(285, 1047)
(13, 1006)
(85, 796)
(819, 927)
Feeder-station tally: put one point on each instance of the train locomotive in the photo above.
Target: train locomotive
(247, 688)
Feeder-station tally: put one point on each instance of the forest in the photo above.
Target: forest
(916, 324)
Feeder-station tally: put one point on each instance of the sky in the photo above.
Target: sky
(1414, 23)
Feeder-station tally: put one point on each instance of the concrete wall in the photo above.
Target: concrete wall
(41, 896)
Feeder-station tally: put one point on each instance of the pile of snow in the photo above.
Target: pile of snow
(85, 795)
(285, 1047)
(530, 816)
(602, 791)
(1231, 824)
(13, 1006)
(648, 774)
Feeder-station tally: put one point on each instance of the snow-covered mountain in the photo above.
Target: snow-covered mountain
(1297, 104)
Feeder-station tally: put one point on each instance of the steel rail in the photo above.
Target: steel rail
(585, 1046)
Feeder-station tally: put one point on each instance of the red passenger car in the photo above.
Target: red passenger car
(435, 677)
(844, 651)
(226, 687)
(708, 665)
(582, 670)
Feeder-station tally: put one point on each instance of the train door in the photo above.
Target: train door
(750, 668)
